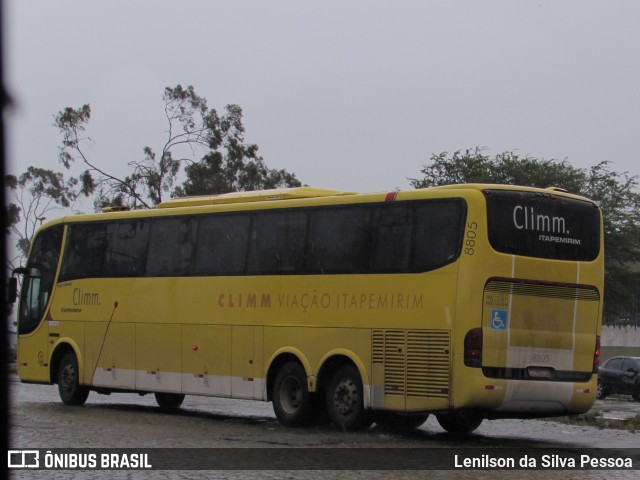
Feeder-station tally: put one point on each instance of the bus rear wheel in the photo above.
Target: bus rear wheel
(460, 422)
(292, 402)
(169, 401)
(69, 388)
(345, 400)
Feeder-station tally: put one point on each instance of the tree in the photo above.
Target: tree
(616, 193)
(217, 173)
(36, 193)
(231, 165)
(227, 164)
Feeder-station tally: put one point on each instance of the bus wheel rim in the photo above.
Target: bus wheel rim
(291, 395)
(345, 397)
(67, 379)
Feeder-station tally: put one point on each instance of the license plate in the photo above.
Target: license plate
(538, 372)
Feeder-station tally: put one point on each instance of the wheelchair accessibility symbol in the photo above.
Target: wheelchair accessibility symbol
(499, 319)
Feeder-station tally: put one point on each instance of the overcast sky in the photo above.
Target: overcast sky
(347, 94)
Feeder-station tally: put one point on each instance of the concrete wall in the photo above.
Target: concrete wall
(620, 340)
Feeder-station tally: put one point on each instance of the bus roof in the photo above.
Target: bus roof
(237, 199)
(496, 186)
(254, 196)
(312, 192)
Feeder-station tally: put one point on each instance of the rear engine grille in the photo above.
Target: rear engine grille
(417, 363)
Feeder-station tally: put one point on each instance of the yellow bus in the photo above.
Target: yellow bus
(469, 302)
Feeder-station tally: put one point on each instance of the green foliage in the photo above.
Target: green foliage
(230, 165)
(204, 148)
(12, 216)
(12, 211)
(594, 418)
(240, 170)
(227, 163)
(35, 193)
(616, 193)
(71, 123)
(510, 168)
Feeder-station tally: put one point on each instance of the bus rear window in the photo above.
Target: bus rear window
(543, 225)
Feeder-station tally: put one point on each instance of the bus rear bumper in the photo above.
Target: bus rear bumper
(546, 398)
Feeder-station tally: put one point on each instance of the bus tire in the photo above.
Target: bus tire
(459, 422)
(292, 402)
(69, 388)
(397, 422)
(345, 401)
(169, 401)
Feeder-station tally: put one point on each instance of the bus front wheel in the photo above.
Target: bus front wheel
(169, 401)
(69, 388)
(460, 422)
(291, 399)
(344, 400)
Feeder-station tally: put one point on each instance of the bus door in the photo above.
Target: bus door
(37, 287)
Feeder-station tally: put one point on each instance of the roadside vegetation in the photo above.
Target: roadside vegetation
(599, 419)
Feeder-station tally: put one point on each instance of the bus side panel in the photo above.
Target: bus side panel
(469, 386)
(260, 383)
(116, 364)
(87, 304)
(206, 360)
(158, 359)
(318, 343)
(245, 370)
(33, 358)
(71, 333)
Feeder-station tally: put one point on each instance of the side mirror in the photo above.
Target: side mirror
(12, 284)
(12, 290)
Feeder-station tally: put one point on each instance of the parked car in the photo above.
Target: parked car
(619, 375)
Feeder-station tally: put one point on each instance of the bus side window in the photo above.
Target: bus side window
(221, 246)
(392, 250)
(85, 252)
(339, 240)
(126, 253)
(171, 246)
(278, 241)
(437, 234)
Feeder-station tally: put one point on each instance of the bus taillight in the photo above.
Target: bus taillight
(596, 355)
(473, 348)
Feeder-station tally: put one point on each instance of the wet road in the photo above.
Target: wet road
(40, 420)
